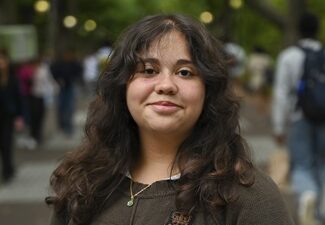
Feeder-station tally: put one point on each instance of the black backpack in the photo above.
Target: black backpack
(311, 87)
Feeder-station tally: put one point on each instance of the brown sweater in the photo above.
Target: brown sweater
(260, 204)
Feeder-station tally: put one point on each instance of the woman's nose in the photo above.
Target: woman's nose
(166, 84)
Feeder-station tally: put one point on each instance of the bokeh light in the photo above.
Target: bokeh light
(70, 21)
(90, 25)
(41, 6)
(206, 17)
(236, 4)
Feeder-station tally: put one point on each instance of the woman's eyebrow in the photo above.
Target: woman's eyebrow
(156, 61)
(148, 60)
(183, 61)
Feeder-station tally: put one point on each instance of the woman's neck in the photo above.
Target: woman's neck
(155, 162)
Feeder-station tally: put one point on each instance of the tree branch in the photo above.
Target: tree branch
(268, 12)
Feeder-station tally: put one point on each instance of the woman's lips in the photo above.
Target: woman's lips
(164, 103)
(165, 107)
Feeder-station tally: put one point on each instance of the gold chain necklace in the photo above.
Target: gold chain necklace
(131, 201)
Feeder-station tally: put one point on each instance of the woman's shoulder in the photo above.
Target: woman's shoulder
(263, 190)
(263, 183)
(262, 203)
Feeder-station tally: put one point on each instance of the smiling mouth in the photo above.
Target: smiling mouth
(165, 107)
(165, 103)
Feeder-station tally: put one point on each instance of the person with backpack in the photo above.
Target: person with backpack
(298, 107)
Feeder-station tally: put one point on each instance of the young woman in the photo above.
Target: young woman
(162, 141)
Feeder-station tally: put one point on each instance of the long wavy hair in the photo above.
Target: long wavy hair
(213, 159)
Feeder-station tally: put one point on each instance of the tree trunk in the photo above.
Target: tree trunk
(268, 12)
(8, 12)
(226, 22)
(295, 10)
(222, 25)
(53, 27)
(286, 23)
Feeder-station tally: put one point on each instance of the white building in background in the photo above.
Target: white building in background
(20, 41)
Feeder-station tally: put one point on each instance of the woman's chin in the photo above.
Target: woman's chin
(167, 130)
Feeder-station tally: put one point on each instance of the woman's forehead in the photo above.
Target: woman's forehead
(173, 39)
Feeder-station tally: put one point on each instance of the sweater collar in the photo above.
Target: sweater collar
(174, 177)
(159, 188)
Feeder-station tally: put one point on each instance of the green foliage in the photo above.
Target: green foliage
(113, 16)
(278, 4)
(246, 26)
(252, 30)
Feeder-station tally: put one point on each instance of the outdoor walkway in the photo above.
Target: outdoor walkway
(22, 201)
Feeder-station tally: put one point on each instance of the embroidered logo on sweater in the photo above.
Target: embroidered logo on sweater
(179, 218)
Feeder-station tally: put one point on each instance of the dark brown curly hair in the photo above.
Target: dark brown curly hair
(213, 159)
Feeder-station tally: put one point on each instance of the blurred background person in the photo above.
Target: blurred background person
(90, 72)
(94, 63)
(236, 61)
(44, 88)
(306, 140)
(103, 54)
(259, 71)
(10, 114)
(25, 74)
(67, 71)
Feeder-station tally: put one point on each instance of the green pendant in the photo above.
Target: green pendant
(130, 203)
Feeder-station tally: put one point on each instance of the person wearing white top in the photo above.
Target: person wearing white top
(306, 141)
(44, 90)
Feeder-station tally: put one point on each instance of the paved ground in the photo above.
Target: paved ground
(22, 201)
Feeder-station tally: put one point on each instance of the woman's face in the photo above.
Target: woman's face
(166, 94)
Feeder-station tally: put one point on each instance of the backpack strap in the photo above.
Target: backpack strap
(311, 54)
(313, 74)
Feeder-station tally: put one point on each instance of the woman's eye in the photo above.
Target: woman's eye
(149, 71)
(185, 73)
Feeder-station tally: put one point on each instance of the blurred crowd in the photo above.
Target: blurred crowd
(292, 91)
(29, 89)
